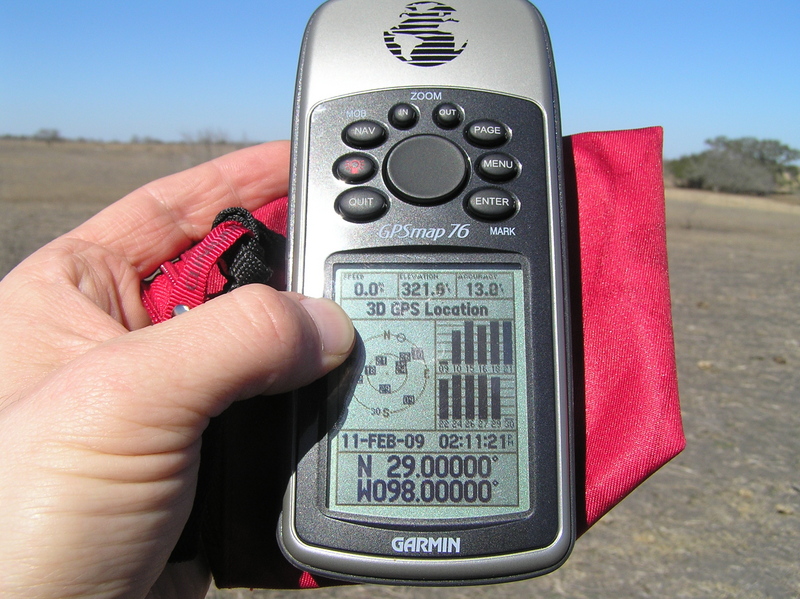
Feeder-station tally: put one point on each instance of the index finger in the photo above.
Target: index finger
(158, 221)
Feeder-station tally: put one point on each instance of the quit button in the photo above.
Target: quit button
(362, 204)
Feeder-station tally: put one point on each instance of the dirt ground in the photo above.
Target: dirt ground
(722, 519)
(47, 189)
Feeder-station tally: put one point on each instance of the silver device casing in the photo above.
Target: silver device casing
(508, 53)
(343, 53)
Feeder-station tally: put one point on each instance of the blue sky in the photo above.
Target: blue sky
(168, 69)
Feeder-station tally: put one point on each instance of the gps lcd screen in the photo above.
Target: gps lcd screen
(437, 424)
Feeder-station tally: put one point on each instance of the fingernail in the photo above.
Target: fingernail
(334, 326)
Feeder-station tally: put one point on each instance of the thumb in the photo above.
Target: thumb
(178, 374)
(104, 451)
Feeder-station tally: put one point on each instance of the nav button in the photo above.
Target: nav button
(364, 135)
(362, 205)
(491, 204)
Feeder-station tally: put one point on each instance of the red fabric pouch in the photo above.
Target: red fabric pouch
(627, 413)
(632, 421)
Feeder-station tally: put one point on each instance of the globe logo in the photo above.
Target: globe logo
(425, 36)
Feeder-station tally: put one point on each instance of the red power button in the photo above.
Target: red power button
(355, 168)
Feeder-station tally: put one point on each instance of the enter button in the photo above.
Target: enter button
(491, 204)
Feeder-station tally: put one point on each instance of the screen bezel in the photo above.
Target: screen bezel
(420, 326)
(537, 527)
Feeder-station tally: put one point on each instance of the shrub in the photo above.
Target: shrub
(746, 165)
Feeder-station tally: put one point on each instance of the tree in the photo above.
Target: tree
(48, 135)
(744, 165)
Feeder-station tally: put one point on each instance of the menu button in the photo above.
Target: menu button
(497, 167)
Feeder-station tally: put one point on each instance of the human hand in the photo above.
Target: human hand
(101, 415)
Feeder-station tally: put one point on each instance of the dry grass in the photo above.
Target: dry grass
(90, 171)
(48, 189)
(721, 520)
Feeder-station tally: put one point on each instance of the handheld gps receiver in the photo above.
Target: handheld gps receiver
(426, 199)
